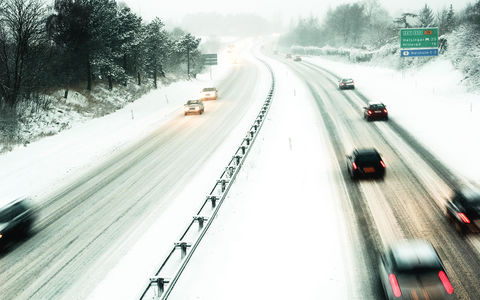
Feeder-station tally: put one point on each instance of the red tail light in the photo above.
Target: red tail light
(464, 218)
(370, 112)
(446, 283)
(385, 110)
(354, 165)
(395, 286)
(382, 163)
(342, 83)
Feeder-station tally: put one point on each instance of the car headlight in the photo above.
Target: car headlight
(185, 108)
(197, 108)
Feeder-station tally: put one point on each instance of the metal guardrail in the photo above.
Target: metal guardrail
(162, 283)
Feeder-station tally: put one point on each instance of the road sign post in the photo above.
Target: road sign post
(418, 42)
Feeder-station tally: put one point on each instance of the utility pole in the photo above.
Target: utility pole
(188, 60)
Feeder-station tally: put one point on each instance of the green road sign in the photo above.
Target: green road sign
(210, 59)
(418, 38)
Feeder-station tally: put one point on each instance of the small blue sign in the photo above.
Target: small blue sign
(420, 52)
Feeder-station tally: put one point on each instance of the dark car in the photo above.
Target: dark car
(365, 163)
(288, 55)
(16, 220)
(193, 107)
(297, 58)
(463, 210)
(412, 269)
(346, 83)
(375, 111)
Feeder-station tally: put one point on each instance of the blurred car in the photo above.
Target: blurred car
(210, 93)
(374, 111)
(297, 58)
(194, 107)
(16, 220)
(346, 83)
(412, 269)
(463, 210)
(365, 163)
(275, 52)
(288, 55)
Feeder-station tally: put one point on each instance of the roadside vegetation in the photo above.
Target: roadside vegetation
(365, 32)
(83, 51)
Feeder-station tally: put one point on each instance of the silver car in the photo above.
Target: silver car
(411, 269)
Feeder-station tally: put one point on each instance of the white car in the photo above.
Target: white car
(209, 93)
(194, 107)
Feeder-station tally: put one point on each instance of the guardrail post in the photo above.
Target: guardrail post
(247, 139)
(213, 199)
(255, 126)
(230, 171)
(239, 157)
(223, 182)
(252, 133)
(160, 283)
(183, 246)
(200, 220)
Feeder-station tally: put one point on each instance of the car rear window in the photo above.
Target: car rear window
(209, 89)
(193, 102)
(348, 80)
(368, 158)
(433, 266)
(377, 106)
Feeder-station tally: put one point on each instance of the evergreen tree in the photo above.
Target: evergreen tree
(451, 21)
(425, 17)
(157, 47)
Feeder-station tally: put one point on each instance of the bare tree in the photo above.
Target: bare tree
(22, 28)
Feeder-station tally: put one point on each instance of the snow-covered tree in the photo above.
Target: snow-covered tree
(157, 47)
(405, 20)
(425, 17)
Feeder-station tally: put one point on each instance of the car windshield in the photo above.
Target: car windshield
(377, 106)
(193, 102)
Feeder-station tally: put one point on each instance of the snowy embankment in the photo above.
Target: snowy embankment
(39, 168)
(430, 102)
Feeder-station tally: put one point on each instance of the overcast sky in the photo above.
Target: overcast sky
(176, 9)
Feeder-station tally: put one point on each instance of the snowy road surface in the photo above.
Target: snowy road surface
(85, 228)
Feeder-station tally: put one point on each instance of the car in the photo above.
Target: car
(288, 55)
(297, 58)
(346, 83)
(194, 107)
(365, 162)
(463, 210)
(16, 220)
(412, 269)
(210, 93)
(375, 111)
